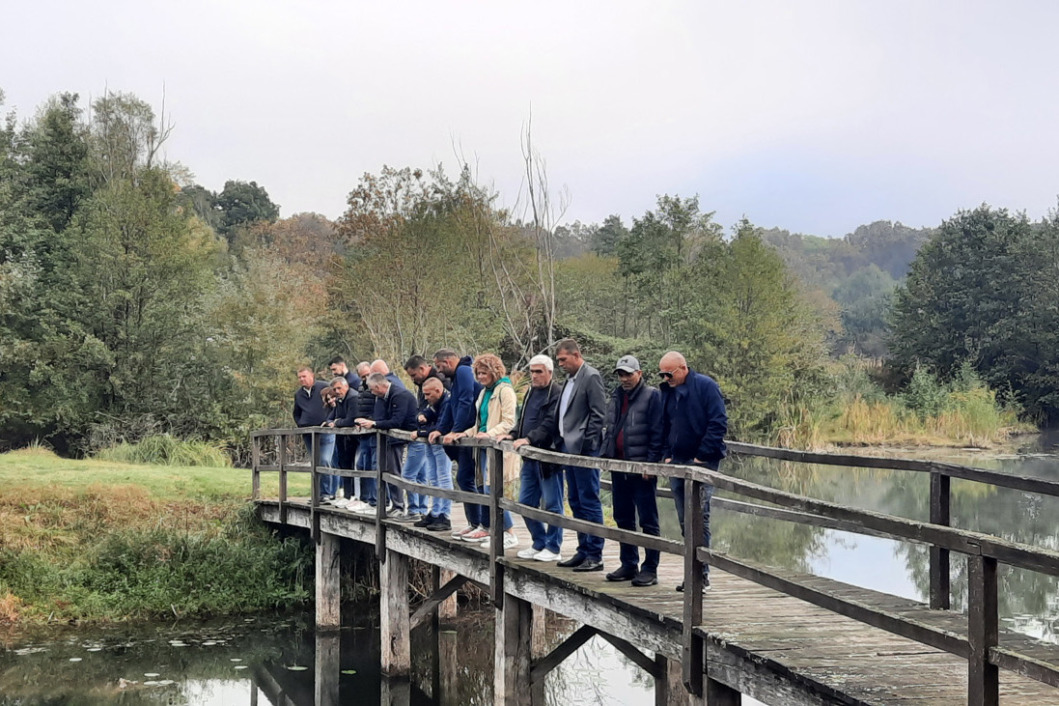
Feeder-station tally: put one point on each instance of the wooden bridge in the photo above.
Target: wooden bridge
(780, 637)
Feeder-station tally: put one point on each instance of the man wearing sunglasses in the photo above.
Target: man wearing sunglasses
(694, 423)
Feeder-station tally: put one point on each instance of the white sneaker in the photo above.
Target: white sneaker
(366, 510)
(341, 503)
(458, 534)
(356, 505)
(528, 553)
(545, 555)
(510, 540)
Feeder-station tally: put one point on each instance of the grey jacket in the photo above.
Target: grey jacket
(583, 423)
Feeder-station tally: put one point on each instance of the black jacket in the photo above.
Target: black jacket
(309, 409)
(365, 402)
(397, 410)
(343, 415)
(540, 435)
(643, 437)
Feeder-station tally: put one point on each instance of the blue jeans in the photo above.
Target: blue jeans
(484, 489)
(439, 475)
(535, 490)
(465, 480)
(582, 491)
(328, 483)
(635, 495)
(366, 462)
(416, 470)
(677, 486)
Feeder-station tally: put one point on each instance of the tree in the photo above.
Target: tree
(963, 300)
(242, 204)
(605, 239)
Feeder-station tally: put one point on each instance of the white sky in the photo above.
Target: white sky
(810, 116)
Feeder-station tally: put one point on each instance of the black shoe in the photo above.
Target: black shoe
(425, 521)
(622, 573)
(705, 585)
(590, 565)
(440, 524)
(644, 578)
(575, 560)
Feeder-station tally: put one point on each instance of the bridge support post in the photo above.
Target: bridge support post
(395, 691)
(327, 668)
(693, 660)
(394, 617)
(328, 580)
(512, 658)
(940, 514)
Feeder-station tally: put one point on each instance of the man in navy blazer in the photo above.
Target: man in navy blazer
(577, 428)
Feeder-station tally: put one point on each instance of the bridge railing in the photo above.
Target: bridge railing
(984, 552)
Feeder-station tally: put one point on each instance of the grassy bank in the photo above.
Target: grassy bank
(103, 540)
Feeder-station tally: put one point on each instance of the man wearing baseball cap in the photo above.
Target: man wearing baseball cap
(634, 433)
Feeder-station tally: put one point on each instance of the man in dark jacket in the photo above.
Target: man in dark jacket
(694, 423)
(541, 483)
(343, 416)
(439, 465)
(459, 414)
(395, 408)
(310, 410)
(634, 433)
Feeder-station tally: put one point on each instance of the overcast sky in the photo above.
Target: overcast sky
(811, 116)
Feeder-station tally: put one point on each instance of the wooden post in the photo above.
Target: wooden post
(692, 659)
(719, 694)
(512, 656)
(314, 487)
(448, 646)
(448, 608)
(983, 678)
(328, 668)
(283, 479)
(382, 495)
(434, 642)
(255, 445)
(495, 461)
(328, 581)
(253, 693)
(394, 616)
(677, 696)
(662, 680)
(940, 514)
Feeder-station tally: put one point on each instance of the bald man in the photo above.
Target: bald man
(694, 423)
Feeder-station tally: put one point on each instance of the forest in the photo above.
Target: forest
(135, 302)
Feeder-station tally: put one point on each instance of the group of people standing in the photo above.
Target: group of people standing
(682, 421)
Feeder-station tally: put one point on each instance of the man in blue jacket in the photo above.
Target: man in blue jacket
(694, 423)
(634, 433)
(458, 415)
(395, 408)
(310, 410)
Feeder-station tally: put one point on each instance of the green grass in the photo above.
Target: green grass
(100, 540)
(166, 450)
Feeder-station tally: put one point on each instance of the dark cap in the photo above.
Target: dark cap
(628, 364)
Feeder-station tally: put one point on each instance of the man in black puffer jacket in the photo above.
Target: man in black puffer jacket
(634, 433)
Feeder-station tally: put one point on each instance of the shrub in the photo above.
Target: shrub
(165, 450)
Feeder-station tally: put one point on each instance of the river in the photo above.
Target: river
(243, 662)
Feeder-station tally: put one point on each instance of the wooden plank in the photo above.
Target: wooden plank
(495, 465)
(327, 668)
(429, 606)
(720, 694)
(802, 518)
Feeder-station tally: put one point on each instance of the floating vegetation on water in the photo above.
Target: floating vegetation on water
(241, 666)
(297, 668)
(349, 671)
(75, 659)
(30, 650)
(151, 675)
(235, 659)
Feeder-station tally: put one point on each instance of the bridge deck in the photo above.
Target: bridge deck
(777, 648)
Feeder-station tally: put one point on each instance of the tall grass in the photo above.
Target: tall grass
(165, 450)
(963, 412)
